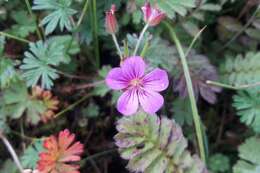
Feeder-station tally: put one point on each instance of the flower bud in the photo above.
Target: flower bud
(152, 16)
(111, 22)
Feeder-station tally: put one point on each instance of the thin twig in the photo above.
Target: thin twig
(95, 156)
(71, 75)
(12, 152)
(88, 85)
(140, 38)
(70, 107)
(117, 46)
(83, 13)
(240, 87)
(14, 37)
(92, 161)
(24, 136)
(31, 14)
(240, 31)
(95, 32)
(194, 41)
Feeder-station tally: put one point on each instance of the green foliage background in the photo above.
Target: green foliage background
(62, 46)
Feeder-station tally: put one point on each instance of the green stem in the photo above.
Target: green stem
(70, 107)
(240, 87)
(140, 38)
(83, 13)
(31, 14)
(12, 152)
(14, 37)
(194, 41)
(95, 32)
(196, 117)
(117, 47)
(99, 155)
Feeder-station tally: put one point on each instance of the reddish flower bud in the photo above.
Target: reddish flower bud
(111, 22)
(152, 16)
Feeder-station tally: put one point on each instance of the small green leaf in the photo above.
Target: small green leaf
(61, 13)
(25, 24)
(30, 156)
(17, 102)
(249, 154)
(39, 62)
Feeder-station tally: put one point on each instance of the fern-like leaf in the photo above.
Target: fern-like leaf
(241, 70)
(249, 154)
(154, 145)
(39, 61)
(247, 105)
(61, 13)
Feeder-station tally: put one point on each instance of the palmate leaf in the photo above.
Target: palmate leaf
(30, 156)
(247, 104)
(60, 15)
(39, 61)
(249, 154)
(155, 145)
(25, 24)
(17, 102)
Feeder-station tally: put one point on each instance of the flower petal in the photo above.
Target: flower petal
(127, 103)
(115, 80)
(150, 101)
(157, 80)
(133, 67)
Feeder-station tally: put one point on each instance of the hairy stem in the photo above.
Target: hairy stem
(240, 87)
(31, 14)
(196, 117)
(83, 13)
(117, 46)
(70, 107)
(12, 152)
(140, 38)
(14, 37)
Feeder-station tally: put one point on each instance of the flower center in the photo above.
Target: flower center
(136, 82)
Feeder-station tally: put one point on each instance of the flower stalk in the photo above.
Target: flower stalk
(117, 47)
(140, 38)
(196, 117)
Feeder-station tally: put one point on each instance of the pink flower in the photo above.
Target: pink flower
(60, 155)
(138, 87)
(152, 16)
(111, 22)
